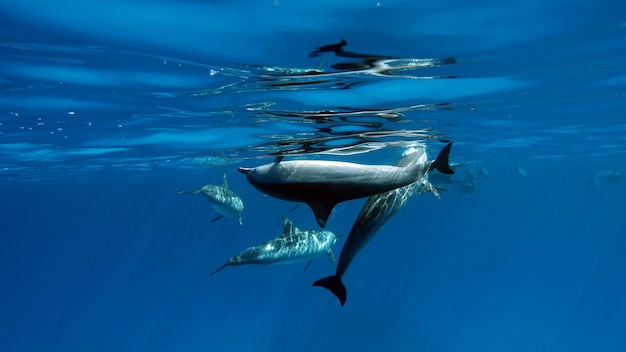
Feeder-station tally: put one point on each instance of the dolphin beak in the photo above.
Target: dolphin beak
(244, 170)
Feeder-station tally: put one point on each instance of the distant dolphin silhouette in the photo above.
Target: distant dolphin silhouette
(379, 209)
(323, 184)
(293, 245)
(222, 199)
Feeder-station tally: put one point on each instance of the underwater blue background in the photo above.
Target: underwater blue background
(109, 108)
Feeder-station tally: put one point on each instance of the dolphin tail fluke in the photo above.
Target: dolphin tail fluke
(335, 285)
(442, 163)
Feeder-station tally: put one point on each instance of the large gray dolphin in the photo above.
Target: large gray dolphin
(293, 245)
(378, 209)
(222, 199)
(323, 184)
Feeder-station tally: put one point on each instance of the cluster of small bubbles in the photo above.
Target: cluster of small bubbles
(120, 125)
(71, 112)
(89, 123)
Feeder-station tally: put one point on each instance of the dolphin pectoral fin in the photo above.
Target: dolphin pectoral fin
(321, 210)
(335, 285)
(331, 254)
(288, 227)
(244, 170)
(220, 268)
(442, 163)
(308, 264)
(217, 218)
(429, 186)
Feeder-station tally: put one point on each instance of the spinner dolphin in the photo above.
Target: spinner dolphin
(378, 209)
(293, 245)
(323, 184)
(222, 199)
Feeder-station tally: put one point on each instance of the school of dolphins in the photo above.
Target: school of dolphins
(322, 184)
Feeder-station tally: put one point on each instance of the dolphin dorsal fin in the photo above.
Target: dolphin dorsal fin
(225, 182)
(278, 159)
(322, 210)
(288, 226)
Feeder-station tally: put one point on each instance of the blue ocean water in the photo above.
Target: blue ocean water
(109, 108)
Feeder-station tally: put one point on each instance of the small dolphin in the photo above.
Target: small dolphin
(464, 187)
(605, 177)
(485, 174)
(222, 199)
(293, 245)
(323, 184)
(379, 209)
